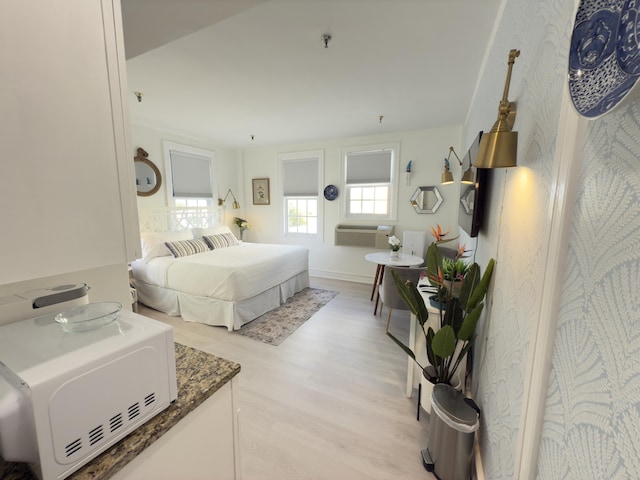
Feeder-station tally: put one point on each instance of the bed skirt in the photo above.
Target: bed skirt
(212, 311)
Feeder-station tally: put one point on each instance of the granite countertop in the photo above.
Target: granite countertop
(199, 375)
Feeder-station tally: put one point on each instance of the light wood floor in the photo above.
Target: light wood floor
(329, 402)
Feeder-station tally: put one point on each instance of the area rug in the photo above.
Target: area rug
(276, 325)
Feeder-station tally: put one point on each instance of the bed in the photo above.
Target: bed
(206, 275)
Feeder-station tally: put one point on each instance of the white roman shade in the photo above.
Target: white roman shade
(301, 177)
(369, 167)
(190, 175)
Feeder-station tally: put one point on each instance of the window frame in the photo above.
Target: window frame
(292, 157)
(287, 218)
(393, 185)
(188, 149)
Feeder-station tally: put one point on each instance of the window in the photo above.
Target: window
(302, 215)
(370, 181)
(192, 202)
(190, 174)
(301, 186)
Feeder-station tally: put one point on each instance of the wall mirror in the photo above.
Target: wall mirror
(426, 199)
(467, 199)
(148, 178)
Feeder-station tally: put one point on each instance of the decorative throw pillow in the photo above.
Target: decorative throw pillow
(154, 243)
(183, 248)
(221, 240)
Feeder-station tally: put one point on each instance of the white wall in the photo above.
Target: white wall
(520, 220)
(227, 162)
(557, 364)
(592, 414)
(427, 149)
(68, 190)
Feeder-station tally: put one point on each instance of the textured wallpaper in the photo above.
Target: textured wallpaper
(591, 424)
(592, 416)
(519, 222)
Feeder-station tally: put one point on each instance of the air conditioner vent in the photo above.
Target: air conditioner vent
(96, 435)
(73, 447)
(374, 236)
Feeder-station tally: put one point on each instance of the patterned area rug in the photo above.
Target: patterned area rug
(276, 325)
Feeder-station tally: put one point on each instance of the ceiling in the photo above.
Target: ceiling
(230, 70)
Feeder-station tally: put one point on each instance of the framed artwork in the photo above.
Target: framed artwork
(261, 191)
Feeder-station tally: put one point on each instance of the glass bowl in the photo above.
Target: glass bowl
(88, 317)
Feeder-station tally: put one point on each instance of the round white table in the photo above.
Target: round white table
(383, 259)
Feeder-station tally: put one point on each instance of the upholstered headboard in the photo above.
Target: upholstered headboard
(179, 218)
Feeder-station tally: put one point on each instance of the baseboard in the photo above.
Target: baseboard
(341, 276)
(478, 470)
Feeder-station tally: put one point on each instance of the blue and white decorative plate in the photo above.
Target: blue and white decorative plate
(604, 59)
(331, 192)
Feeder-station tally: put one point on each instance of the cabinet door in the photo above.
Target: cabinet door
(201, 446)
(67, 196)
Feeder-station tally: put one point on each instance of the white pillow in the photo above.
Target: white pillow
(203, 232)
(153, 243)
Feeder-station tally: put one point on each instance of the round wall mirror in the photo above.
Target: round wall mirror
(426, 199)
(148, 178)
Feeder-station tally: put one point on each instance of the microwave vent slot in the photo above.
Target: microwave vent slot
(73, 447)
(96, 435)
(149, 399)
(134, 410)
(116, 422)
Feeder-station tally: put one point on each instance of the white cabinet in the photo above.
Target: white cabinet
(68, 196)
(203, 445)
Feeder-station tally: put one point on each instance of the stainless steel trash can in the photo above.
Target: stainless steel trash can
(454, 419)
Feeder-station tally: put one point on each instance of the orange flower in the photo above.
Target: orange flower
(461, 249)
(437, 234)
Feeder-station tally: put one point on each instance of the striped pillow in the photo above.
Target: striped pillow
(183, 248)
(221, 240)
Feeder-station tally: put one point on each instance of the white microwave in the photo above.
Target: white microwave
(65, 397)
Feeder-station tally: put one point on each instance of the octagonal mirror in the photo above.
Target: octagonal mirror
(426, 199)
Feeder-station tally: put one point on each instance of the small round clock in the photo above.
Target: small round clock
(330, 192)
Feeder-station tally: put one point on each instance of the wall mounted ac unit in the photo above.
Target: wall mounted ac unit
(375, 236)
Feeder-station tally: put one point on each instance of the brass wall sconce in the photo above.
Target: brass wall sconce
(447, 176)
(499, 147)
(221, 201)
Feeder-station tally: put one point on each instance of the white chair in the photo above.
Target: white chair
(414, 243)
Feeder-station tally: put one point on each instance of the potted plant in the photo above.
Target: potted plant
(446, 275)
(445, 269)
(242, 225)
(454, 332)
(394, 242)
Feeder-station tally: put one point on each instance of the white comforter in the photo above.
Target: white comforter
(232, 273)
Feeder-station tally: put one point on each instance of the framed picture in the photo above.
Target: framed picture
(261, 191)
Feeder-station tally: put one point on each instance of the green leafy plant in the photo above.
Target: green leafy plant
(443, 272)
(447, 345)
(241, 223)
